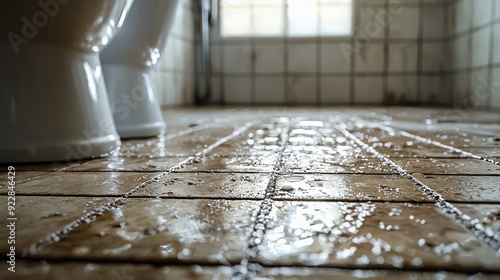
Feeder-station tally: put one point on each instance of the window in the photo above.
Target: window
(293, 18)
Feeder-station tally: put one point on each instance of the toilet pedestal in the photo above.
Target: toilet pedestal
(135, 109)
(128, 61)
(53, 105)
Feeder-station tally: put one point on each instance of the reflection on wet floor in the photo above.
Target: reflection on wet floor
(250, 193)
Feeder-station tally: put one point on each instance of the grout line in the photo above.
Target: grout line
(491, 57)
(385, 70)
(372, 269)
(281, 198)
(318, 54)
(222, 72)
(92, 215)
(432, 142)
(470, 34)
(253, 56)
(352, 55)
(285, 54)
(261, 217)
(294, 173)
(420, 46)
(485, 234)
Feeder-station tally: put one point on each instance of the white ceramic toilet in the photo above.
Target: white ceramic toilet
(53, 101)
(127, 65)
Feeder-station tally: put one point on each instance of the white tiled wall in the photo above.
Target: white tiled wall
(474, 40)
(174, 75)
(432, 52)
(396, 61)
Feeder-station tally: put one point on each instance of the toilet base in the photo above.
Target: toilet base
(136, 111)
(53, 106)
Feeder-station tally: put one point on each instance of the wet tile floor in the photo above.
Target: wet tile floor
(233, 193)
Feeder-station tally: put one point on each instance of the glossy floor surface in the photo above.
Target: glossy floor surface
(377, 193)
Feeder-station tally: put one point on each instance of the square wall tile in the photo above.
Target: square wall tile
(433, 21)
(173, 87)
(495, 98)
(433, 57)
(401, 89)
(238, 90)
(368, 90)
(171, 49)
(237, 58)
(178, 55)
(301, 90)
(496, 49)
(269, 58)
(269, 90)
(215, 59)
(497, 8)
(479, 88)
(335, 90)
(333, 59)
(481, 47)
(461, 88)
(460, 50)
(187, 89)
(370, 58)
(371, 20)
(447, 97)
(451, 19)
(403, 57)
(482, 12)
(405, 24)
(463, 19)
(431, 89)
(216, 90)
(302, 58)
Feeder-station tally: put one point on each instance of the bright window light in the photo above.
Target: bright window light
(278, 18)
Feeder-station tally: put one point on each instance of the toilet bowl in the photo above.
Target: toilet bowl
(53, 101)
(127, 67)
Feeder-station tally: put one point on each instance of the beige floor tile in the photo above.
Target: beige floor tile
(433, 152)
(337, 151)
(235, 185)
(283, 273)
(347, 187)
(48, 166)
(20, 177)
(93, 271)
(449, 166)
(208, 185)
(335, 204)
(82, 183)
(188, 144)
(38, 217)
(157, 230)
(128, 164)
(488, 214)
(464, 188)
(455, 139)
(461, 140)
(264, 138)
(371, 235)
(327, 164)
(253, 163)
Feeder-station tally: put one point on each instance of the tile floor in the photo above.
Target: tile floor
(398, 193)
